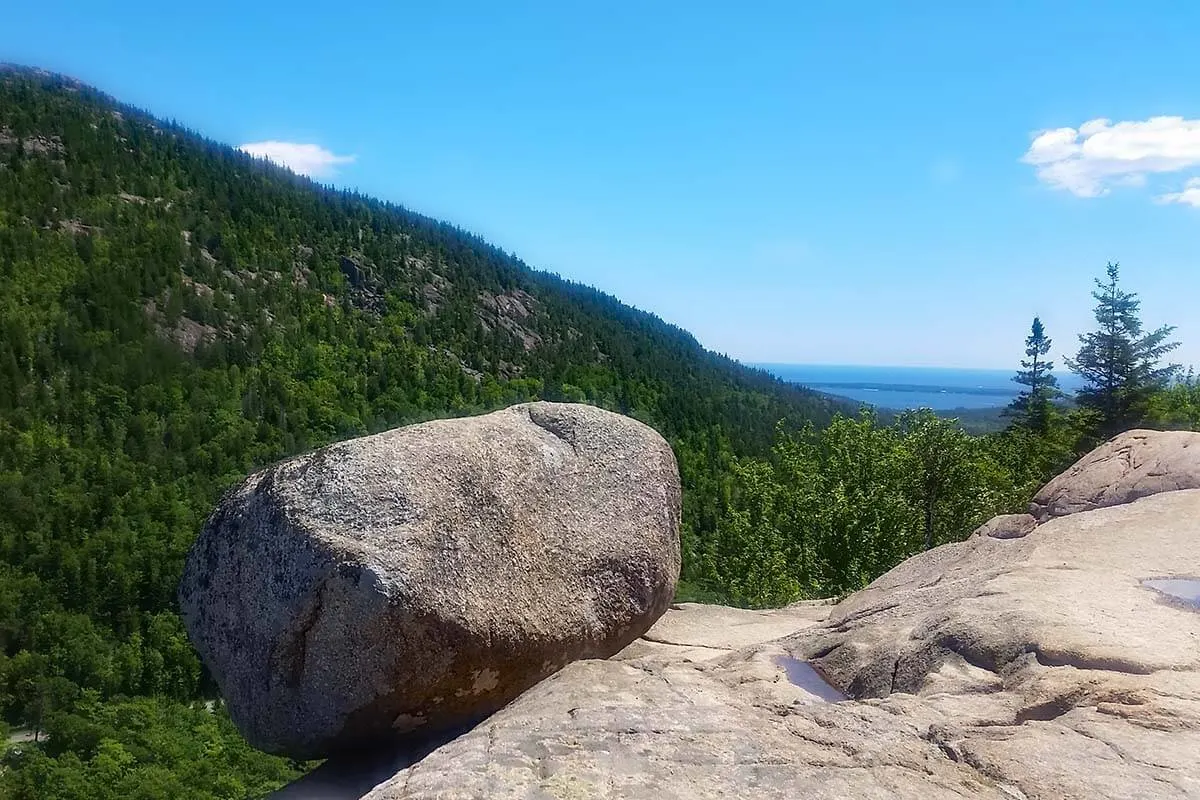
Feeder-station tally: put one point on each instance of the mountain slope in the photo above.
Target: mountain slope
(174, 314)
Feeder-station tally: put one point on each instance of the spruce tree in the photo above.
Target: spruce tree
(1120, 365)
(1032, 406)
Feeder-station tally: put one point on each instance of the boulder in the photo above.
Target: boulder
(1007, 526)
(419, 579)
(1135, 464)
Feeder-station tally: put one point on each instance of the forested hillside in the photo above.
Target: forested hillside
(174, 314)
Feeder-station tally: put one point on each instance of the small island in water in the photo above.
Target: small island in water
(977, 397)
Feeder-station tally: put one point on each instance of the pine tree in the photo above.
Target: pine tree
(1121, 366)
(1033, 406)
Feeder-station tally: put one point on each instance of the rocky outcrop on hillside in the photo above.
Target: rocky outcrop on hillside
(1135, 464)
(419, 579)
(1057, 660)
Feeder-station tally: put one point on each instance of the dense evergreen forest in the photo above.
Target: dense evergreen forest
(175, 314)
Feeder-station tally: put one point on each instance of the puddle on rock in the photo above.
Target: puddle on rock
(804, 675)
(1185, 591)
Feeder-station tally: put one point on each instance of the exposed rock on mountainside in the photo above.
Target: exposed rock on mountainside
(1037, 666)
(1135, 464)
(423, 577)
(507, 312)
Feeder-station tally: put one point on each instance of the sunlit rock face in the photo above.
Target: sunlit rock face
(1036, 667)
(1135, 464)
(416, 580)
(1058, 660)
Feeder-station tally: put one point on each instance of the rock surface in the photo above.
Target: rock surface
(689, 632)
(1135, 464)
(1037, 666)
(419, 579)
(1007, 526)
(698, 632)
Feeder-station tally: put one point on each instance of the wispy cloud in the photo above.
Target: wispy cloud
(1090, 160)
(1190, 196)
(305, 159)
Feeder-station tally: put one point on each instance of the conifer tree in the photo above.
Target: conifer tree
(1120, 365)
(1032, 407)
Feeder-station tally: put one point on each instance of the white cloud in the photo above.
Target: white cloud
(1190, 196)
(305, 159)
(1102, 154)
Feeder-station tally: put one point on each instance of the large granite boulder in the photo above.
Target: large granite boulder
(1059, 660)
(421, 578)
(1135, 464)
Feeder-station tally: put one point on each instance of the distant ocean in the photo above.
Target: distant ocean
(939, 388)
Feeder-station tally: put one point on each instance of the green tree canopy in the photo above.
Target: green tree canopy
(1177, 406)
(834, 508)
(1120, 364)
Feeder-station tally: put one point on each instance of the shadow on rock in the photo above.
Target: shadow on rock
(353, 777)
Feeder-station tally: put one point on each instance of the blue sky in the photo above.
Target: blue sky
(793, 182)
